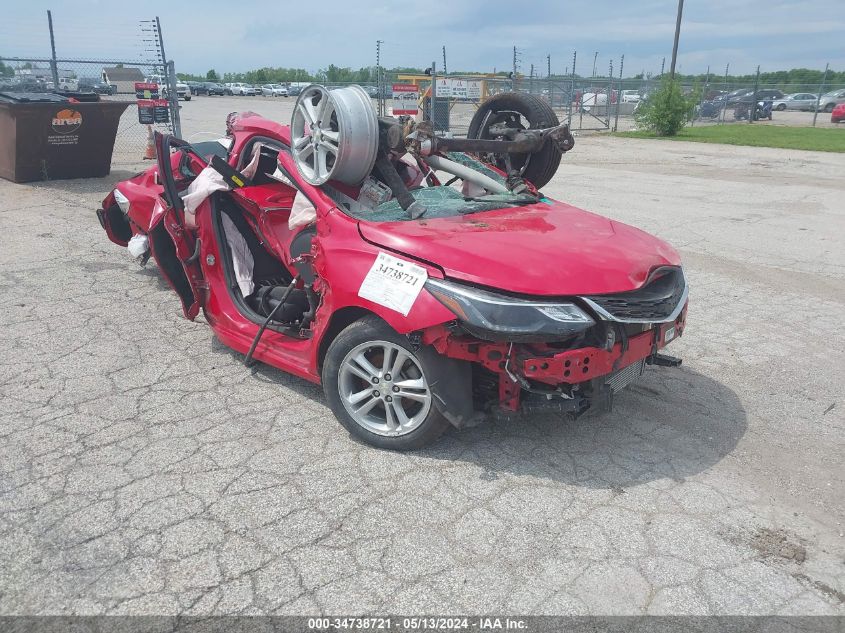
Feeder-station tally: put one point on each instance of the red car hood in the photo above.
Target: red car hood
(540, 249)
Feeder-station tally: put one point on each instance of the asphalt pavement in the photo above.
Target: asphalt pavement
(145, 470)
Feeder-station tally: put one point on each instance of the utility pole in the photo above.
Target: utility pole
(595, 59)
(379, 98)
(513, 76)
(821, 90)
(54, 68)
(445, 72)
(549, 75)
(662, 67)
(677, 36)
(531, 80)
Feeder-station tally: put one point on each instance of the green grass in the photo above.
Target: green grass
(758, 135)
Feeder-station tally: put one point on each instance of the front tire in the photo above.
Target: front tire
(379, 389)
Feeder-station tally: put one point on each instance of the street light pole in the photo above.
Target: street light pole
(677, 36)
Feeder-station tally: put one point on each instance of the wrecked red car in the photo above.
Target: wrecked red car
(424, 281)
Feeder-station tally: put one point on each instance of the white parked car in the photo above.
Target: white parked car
(630, 96)
(183, 91)
(591, 99)
(68, 83)
(243, 90)
(274, 90)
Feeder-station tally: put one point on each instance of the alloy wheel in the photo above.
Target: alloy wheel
(383, 387)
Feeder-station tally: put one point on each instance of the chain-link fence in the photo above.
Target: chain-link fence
(607, 100)
(105, 79)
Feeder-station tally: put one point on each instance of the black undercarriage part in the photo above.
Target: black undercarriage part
(281, 303)
(664, 360)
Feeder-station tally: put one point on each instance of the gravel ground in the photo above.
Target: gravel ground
(143, 469)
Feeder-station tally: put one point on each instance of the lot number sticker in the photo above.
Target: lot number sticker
(393, 283)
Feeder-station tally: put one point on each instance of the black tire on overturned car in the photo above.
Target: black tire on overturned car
(541, 166)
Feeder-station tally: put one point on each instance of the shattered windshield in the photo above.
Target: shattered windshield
(445, 201)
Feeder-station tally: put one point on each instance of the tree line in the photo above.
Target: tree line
(807, 78)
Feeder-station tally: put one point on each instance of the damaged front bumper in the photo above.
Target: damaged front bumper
(530, 378)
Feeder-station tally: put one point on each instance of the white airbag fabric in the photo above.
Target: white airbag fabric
(242, 260)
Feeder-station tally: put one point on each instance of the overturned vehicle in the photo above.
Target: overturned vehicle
(423, 281)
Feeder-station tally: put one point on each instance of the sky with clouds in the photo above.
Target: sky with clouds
(478, 34)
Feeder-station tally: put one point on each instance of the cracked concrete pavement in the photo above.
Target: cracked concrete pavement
(144, 470)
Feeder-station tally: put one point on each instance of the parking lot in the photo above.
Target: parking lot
(145, 470)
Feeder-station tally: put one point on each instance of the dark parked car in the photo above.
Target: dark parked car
(100, 87)
(736, 95)
(769, 94)
(197, 87)
(750, 97)
(214, 88)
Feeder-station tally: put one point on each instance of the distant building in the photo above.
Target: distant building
(123, 78)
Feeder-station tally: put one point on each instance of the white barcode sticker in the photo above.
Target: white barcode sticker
(393, 283)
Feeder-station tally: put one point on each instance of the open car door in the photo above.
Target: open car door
(174, 246)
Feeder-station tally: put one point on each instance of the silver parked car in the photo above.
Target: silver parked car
(831, 99)
(796, 101)
(274, 90)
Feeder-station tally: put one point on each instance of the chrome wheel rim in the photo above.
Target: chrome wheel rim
(384, 389)
(334, 134)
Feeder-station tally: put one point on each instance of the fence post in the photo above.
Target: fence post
(819, 97)
(379, 83)
(173, 99)
(433, 95)
(170, 76)
(725, 100)
(753, 109)
(54, 68)
(572, 87)
(619, 96)
(609, 96)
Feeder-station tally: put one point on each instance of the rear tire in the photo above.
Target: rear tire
(367, 399)
(829, 107)
(541, 166)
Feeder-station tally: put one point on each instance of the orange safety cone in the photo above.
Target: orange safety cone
(150, 152)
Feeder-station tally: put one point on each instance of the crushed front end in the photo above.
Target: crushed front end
(535, 354)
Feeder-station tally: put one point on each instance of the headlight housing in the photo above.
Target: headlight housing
(122, 201)
(494, 317)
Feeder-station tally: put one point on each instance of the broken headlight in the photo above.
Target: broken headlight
(122, 201)
(496, 317)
